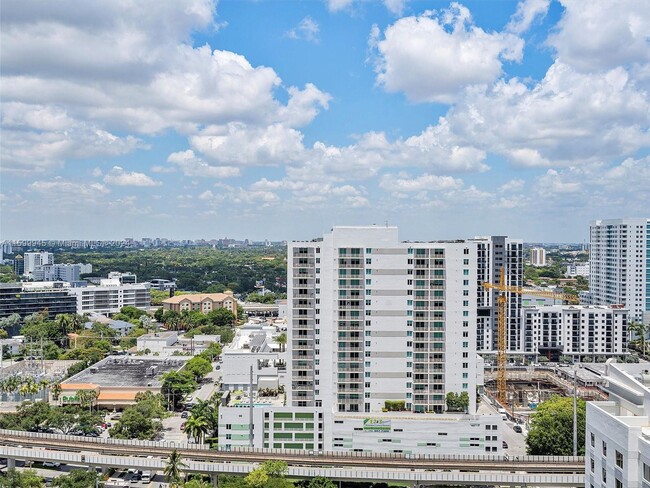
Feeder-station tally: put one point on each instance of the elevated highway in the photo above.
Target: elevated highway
(423, 470)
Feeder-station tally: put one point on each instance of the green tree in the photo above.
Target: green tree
(198, 367)
(321, 482)
(282, 340)
(196, 427)
(456, 402)
(177, 384)
(221, 317)
(551, 428)
(21, 479)
(174, 469)
(640, 330)
(208, 410)
(212, 351)
(197, 483)
(78, 478)
(271, 474)
(87, 398)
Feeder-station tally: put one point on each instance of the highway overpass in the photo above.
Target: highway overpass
(529, 471)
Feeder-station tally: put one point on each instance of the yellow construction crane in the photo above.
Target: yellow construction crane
(502, 302)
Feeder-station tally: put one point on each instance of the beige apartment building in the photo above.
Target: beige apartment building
(203, 302)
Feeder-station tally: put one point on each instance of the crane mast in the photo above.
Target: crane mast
(502, 329)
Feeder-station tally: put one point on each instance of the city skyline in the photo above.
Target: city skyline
(279, 120)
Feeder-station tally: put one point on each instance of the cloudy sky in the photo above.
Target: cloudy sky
(278, 119)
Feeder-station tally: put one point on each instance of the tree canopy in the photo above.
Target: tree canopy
(551, 428)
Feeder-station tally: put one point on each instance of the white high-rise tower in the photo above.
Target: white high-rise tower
(619, 261)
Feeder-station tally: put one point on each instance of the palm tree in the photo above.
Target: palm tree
(282, 340)
(87, 398)
(56, 390)
(174, 469)
(639, 329)
(196, 427)
(64, 323)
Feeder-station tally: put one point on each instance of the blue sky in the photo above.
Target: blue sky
(280, 119)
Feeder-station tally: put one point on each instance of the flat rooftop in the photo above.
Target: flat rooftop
(158, 336)
(128, 371)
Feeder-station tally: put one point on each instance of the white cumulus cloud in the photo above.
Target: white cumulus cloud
(433, 57)
(119, 177)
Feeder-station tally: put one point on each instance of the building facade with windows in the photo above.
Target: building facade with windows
(61, 272)
(202, 302)
(28, 298)
(379, 332)
(619, 262)
(497, 254)
(617, 452)
(110, 296)
(32, 260)
(578, 331)
(374, 320)
(538, 256)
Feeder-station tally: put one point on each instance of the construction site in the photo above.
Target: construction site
(527, 387)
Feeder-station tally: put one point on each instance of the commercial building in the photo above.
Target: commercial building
(494, 255)
(617, 449)
(118, 379)
(110, 296)
(28, 298)
(202, 302)
(32, 260)
(538, 256)
(577, 331)
(619, 262)
(61, 272)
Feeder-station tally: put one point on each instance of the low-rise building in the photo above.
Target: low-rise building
(28, 298)
(61, 272)
(157, 342)
(118, 379)
(110, 296)
(202, 302)
(617, 449)
(170, 343)
(574, 330)
(577, 269)
(253, 346)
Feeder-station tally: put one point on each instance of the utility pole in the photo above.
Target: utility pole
(575, 413)
(250, 413)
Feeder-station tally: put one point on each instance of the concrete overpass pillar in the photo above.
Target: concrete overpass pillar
(11, 463)
(214, 477)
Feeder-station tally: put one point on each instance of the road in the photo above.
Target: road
(516, 442)
(530, 464)
(172, 425)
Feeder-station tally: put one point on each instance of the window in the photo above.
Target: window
(604, 473)
(593, 440)
(604, 448)
(619, 459)
(646, 472)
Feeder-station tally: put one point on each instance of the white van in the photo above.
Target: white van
(146, 477)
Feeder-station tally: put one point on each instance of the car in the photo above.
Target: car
(182, 425)
(51, 464)
(136, 477)
(184, 414)
(517, 428)
(504, 444)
